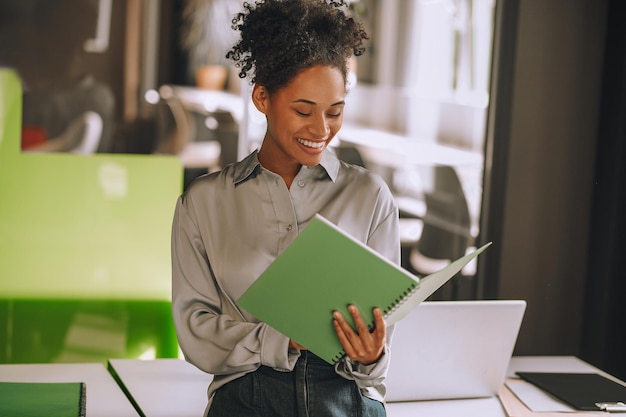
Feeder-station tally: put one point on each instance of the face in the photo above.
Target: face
(302, 118)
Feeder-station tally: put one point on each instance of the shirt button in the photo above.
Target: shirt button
(289, 227)
(301, 183)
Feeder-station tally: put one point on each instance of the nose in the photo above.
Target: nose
(319, 127)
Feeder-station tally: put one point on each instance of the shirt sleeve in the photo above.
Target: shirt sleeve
(211, 331)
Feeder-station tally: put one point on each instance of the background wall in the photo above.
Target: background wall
(605, 310)
(556, 93)
(548, 173)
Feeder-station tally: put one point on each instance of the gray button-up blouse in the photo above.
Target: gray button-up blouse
(230, 225)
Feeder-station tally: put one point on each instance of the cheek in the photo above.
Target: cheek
(283, 122)
(292, 125)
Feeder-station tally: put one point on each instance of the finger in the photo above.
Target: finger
(346, 334)
(343, 338)
(367, 346)
(374, 344)
(370, 340)
(361, 327)
(345, 327)
(380, 328)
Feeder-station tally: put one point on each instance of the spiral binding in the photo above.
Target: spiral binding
(338, 356)
(398, 301)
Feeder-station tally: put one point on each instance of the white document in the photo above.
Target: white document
(536, 399)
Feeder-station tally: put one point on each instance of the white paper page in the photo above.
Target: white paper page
(535, 398)
(429, 284)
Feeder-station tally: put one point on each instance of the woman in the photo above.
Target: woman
(229, 226)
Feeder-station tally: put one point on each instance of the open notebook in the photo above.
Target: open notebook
(325, 270)
(458, 349)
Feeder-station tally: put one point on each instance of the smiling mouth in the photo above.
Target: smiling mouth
(311, 144)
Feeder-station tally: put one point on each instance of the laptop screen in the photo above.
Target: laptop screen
(453, 349)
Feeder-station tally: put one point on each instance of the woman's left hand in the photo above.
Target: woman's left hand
(361, 345)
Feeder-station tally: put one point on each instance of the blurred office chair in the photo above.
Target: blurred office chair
(177, 135)
(82, 136)
(174, 126)
(219, 126)
(350, 154)
(445, 233)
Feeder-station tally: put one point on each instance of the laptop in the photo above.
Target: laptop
(453, 349)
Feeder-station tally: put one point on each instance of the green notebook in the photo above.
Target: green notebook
(36, 399)
(324, 270)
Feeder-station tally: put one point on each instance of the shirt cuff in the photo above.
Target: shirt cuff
(275, 351)
(365, 375)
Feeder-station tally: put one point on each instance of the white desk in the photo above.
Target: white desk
(104, 398)
(477, 407)
(551, 364)
(208, 100)
(402, 160)
(175, 388)
(396, 151)
(164, 387)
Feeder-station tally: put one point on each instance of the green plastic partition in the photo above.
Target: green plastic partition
(84, 248)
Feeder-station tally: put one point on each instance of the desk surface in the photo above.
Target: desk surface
(164, 387)
(104, 398)
(395, 150)
(175, 388)
(550, 364)
(209, 100)
(404, 163)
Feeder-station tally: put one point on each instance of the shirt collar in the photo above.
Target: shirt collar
(331, 164)
(250, 164)
(246, 167)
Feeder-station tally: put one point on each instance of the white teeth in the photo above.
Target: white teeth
(311, 144)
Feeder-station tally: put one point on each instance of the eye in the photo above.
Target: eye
(303, 114)
(334, 115)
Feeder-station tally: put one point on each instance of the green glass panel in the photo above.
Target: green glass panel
(84, 250)
(73, 226)
(71, 331)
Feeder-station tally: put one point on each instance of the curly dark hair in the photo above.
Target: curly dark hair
(280, 38)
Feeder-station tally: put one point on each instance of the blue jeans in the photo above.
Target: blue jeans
(312, 389)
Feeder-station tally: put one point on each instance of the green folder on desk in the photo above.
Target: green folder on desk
(324, 270)
(37, 399)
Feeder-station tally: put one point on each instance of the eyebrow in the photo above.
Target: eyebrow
(302, 100)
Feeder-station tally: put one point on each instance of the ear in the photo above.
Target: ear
(260, 98)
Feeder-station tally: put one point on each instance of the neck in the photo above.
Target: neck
(286, 169)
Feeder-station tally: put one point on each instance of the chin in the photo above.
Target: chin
(311, 160)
